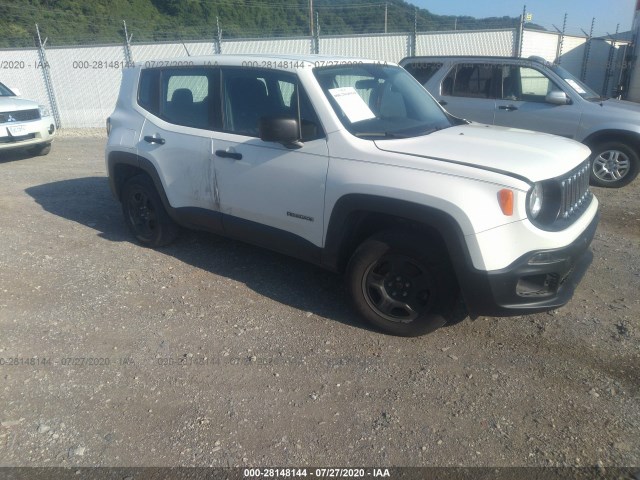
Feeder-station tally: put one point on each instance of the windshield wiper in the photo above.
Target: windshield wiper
(380, 134)
(418, 133)
(431, 130)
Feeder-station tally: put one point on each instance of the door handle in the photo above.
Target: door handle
(225, 154)
(158, 140)
(442, 102)
(508, 107)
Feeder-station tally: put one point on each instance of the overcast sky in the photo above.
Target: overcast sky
(545, 12)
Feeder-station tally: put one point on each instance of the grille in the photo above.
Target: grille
(575, 190)
(19, 116)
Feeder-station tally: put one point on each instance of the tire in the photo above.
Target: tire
(613, 164)
(145, 215)
(41, 150)
(401, 284)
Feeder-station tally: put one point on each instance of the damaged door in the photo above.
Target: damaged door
(177, 136)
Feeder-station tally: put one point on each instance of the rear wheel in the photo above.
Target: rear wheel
(613, 164)
(144, 213)
(402, 284)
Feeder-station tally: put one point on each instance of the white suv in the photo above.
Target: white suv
(24, 124)
(351, 164)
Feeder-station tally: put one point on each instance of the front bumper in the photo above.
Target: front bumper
(536, 282)
(31, 134)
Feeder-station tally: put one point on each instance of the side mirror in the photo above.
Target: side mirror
(15, 91)
(557, 97)
(284, 130)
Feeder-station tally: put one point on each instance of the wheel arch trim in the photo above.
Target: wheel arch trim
(138, 162)
(613, 135)
(347, 210)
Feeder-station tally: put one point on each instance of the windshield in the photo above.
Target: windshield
(578, 86)
(5, 92)
(380, 101)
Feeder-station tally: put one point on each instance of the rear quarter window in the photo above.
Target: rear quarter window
(182, 96)
(149, 90)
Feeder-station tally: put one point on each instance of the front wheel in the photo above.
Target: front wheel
(613, 164)
(402, 283)
(41, 149)
(144, 213)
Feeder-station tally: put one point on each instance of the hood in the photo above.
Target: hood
(11, 104)
(532, 155)
(616, 108)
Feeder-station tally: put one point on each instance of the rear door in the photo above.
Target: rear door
(468, 91)
(176, 135)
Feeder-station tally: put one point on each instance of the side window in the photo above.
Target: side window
(469, 80)
(299, 106)
(250, 94)
(525, 84)
(149, 90)
(286, 91)
(423, 71)
(310, 127)
(187, 98)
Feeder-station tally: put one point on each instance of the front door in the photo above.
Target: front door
(522, 103)
(269, 191)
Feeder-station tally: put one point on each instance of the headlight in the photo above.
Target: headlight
(44, 110)
(535, 200)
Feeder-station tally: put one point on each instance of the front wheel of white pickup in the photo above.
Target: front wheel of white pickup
(401, 283)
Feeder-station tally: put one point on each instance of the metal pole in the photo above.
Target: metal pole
(585, 59)
(128, 55)
(521, 32)
(316, 37)
(623, 76)
(414, 36)
(47, 78)
(311, 17)
(386, 9)
(561, 41)
(218, 42)
(608, 73)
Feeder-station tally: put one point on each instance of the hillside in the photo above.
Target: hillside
(71, 22)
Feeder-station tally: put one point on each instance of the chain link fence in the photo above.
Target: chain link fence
(80, 84)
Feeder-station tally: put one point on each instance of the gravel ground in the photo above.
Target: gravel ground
(214, 353)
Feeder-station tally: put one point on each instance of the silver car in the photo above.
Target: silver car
(536, 95)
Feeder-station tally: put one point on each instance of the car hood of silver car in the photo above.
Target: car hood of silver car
(615, 108)
(12, 104)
